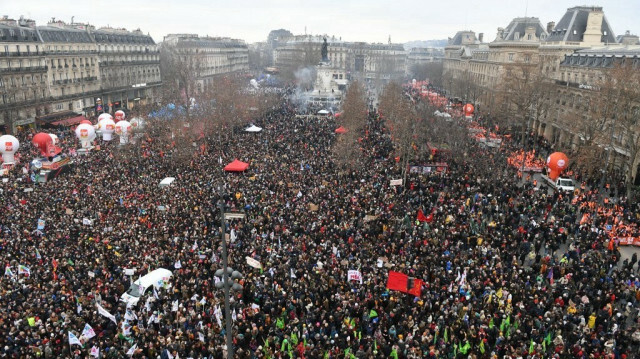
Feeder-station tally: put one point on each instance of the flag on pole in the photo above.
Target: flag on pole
(24, 270)
(74, 340)
(132, 350)
(88, 332)
(104, 312)
(95, 352)
(293, 274)
(532, 347)
(126, 329)
(9, 272)
(38, 256)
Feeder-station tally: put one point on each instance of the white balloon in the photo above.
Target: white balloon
(108, 128)
(123, 127)
(120, 115)
(85, 133)
(8, 147)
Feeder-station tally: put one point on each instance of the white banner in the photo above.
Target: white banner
(354, 275)
(397, 182)
(253, 263)
(104, 312)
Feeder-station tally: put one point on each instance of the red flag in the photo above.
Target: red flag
(417, 287)
(430, 217)
(397, 281)
(422, 217)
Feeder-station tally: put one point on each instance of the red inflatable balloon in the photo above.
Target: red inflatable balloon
(557, 162)
(468, 110)
(86, 121)
(42, 141)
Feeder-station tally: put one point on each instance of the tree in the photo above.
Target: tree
(522, 96)
(398, 112)
(620, 88)
(182, 68)
(432, 71)
(353, 118)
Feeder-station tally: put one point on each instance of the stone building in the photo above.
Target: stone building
(215, 55)
(24, 86)
(359, 59)
(422, 55)
(473, 69)
(72, 58)
(129, 68)
(57, 72)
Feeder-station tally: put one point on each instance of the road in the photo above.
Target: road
(626, 252)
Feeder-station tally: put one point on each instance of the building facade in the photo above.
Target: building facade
(572, 56)
(59, 71)
(72, 59)
(215, 56)
(421, 56)
(129, 64)
(24, 85)
(361, 60)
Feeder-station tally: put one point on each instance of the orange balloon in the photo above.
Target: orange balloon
(557, 162)
(468, 109)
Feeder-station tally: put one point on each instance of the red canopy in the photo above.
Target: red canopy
(341, 130)
(236, 166)
(70, 121)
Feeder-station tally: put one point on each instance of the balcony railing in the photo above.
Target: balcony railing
(25, 69)
(129, 63)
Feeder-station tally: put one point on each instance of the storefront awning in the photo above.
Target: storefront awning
(70, 121)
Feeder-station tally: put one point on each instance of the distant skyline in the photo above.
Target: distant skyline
(352, 20)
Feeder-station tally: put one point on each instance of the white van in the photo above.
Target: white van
(157, 278)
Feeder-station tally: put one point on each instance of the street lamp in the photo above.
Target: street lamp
(225, 273)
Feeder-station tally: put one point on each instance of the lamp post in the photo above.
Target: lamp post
(224, 273)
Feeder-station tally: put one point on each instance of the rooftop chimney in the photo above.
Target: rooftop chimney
(480, 37)
(550, 26)
(593, 33)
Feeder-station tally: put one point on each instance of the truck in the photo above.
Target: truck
(560, 184)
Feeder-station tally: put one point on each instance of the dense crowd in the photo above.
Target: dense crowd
(508, 270)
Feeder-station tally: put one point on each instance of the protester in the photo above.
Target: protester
(508, 271)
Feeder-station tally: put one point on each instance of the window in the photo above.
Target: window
(529, 37)
(511, 57)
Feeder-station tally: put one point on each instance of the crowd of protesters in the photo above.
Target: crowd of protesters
(508, 270)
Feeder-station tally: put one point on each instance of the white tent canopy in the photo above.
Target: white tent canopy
(323, 112)
(253, 128)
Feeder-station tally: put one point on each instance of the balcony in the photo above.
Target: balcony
(25, 69)
(129, 63)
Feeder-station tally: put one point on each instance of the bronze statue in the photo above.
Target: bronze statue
(325, 51)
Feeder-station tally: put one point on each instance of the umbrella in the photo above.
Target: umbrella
(236, 166)
(253, 128)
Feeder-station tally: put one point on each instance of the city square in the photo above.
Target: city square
(313, 197)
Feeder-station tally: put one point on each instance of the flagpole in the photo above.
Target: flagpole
(225, 282)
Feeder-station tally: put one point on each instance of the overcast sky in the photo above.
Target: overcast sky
(353, 20)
